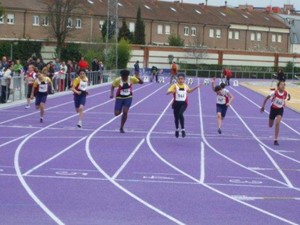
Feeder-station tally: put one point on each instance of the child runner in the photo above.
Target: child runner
(278, 98)
(79, 88)
(123, 95)
(40, 89)
(180, 90)
(224, 99)
(30, 76)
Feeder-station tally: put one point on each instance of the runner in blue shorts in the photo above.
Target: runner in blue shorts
(123, 95)
(40, 89)
(224, 99)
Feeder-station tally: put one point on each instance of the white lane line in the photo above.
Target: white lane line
(53, 157)
(89, 155)
(128, 159)
(11, 141)
(202, 163)
(196, 180)
(57, 106)
(277, 167)
(241, 94)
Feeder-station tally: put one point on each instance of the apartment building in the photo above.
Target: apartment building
(243, 29)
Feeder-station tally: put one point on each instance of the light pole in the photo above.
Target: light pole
(12, 49)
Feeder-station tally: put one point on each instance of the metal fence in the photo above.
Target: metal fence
(18, 88)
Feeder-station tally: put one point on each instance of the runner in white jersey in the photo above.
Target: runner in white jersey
(180, 92)
(278, 98)
(224, 99)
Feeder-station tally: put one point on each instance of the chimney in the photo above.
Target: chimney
(206, 2)
(225, 4)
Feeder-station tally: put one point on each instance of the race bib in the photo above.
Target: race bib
(125, 92)
(221, 100)
(181, 96)
(43, 87)
(82, 86)
(278, 102)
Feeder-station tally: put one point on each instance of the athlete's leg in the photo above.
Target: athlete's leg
(277, 126)
(124, 118)
(181, 118)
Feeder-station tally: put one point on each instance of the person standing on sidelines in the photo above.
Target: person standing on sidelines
(224, 99)
(123, 94)
(30, 77)
(137, 69)
(173, 72)
(41, 86)
(79, 88)
(227, 74)
(180, 90)
(278, 98)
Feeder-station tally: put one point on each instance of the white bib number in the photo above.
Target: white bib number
(83, 86)
(181, 96)
(43, 87)
(278, 102)
(221, 100)
(125, 92)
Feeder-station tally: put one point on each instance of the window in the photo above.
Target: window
(36, 21)
(218, 33)
(147, 7)
(78, 23)
(10, 19)
(70, 22)
(256, 36)
(193, 31)
(273, 37)
(211, 33)
(236, 35)
(45, 21)
(159, 29)
(197, 11)
(230, 35)
(1, 20)
(279, 38)
(131, 26)
(167, 29)
(186, 31)
(174, 10)
(101, 22)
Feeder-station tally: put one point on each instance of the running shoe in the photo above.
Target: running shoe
(183, 133)
(27, 107)
(122, 130)
(276, 142)
(176, 133)
(41, 120)
(79, 125)
(219, 131)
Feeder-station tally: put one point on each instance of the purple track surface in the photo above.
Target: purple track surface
(55, 173)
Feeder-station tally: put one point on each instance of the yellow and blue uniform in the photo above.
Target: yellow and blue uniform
(124, 92)
(80, 85)
(41, 89)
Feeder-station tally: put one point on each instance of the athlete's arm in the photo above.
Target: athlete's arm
(231, 97)
(262, 109)
(190, 90)
(171, 89)
(112, 91)
(213, 84)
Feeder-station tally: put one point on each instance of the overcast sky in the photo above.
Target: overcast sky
(256, 3)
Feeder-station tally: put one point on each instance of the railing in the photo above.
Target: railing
(18, 87)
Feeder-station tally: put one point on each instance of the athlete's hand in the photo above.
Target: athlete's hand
(262, 109)
(111, 96)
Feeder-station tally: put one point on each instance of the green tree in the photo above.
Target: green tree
(59, 13)
(1, 10)
(124, 32)
(124, 55)
(71, 51)
(139, 33)
(175, 40)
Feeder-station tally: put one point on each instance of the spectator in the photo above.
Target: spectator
(70, 73)
(154, 72)
(281, 76)
(5, 83)
(227, 74)
(173, 72)
(30, 77)
(95, 65)
(62, 76)
(137, 69)
(82, 64)
(40, 64)
(17, 72)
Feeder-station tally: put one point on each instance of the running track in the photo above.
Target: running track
(54, 173)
